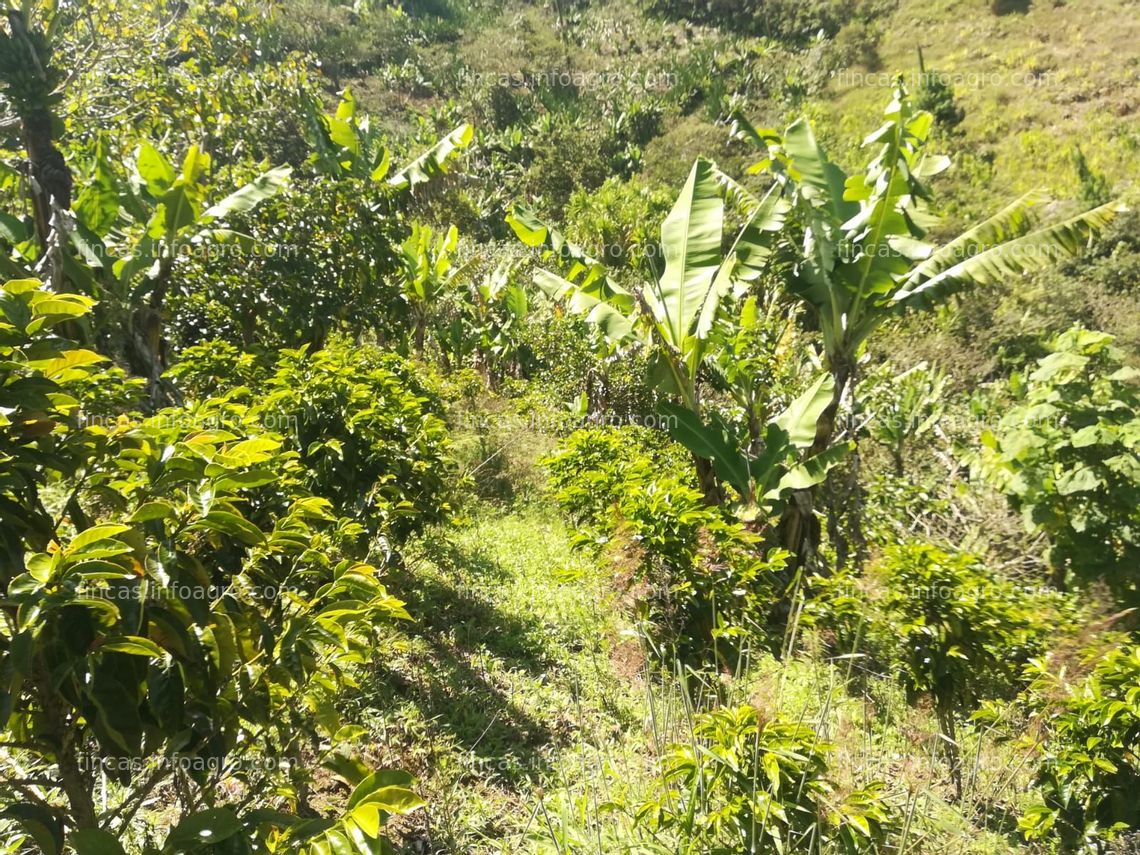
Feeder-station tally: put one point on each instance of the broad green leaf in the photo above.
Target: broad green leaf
(179, 209)
(156, 510)
(393, 799)
(40, 823)
(434, 161)
(195, 166)
(800, 418)
(95, 841)
(265, 186)
(233, 524)
(132, 645)
(691, 242)
(154, 169)
(814, 470)
(1082, 479)
(824, 180)
(947, 272)
(94, 534)
(205, 828)
(708, 442)
(72, 359)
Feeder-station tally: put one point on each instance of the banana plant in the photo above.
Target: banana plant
(857, 252)
(762, 478)
(758, 354)
(499, 310)
(347, 146)
(674, 315)
(858, 242)
(427, 275)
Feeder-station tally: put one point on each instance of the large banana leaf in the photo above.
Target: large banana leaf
(246, 198)
(814, 469)
(587, 302)
(800, 418)
(1034, 251)
(691, 241)
(579, 269)
(822, 180)
(778, 468)
(434, 161)
(711, 442)
(1011, 222)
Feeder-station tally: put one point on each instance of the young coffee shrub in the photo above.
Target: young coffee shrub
(180, 616)
(1089, 773)
(746, 783)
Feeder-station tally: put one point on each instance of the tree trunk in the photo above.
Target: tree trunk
(51, 177)
(419, 337)
(949, 730)
(76, 786)
(707, 480)
(147, 345)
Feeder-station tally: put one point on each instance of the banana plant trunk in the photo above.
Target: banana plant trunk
(707, 480)
(799, 528)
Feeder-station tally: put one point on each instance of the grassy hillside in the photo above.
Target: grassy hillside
(1033, 84)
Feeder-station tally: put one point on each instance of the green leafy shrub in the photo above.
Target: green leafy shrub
(369, 434)
(207, 368)
(366, 424)
(1009, 7)
(949, 627)
(935, 95)
(567, 157)
(1090, 772)
(574, 364)
(857, 42)
(619, 222)
(747, 784)
(903, 407)
(1095, 187)
(702, 574)
(1066, 457)
(178, 614)
(592, 465)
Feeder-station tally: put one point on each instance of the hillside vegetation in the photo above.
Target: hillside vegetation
(656, 427)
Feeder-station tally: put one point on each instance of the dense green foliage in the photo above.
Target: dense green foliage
(744, 782)
(1068, 456)
(425, 429)
(1090, 770)
(697, 569)
(187, 610)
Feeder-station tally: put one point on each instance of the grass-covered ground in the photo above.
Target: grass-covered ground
(1032, 83)
(524, 700)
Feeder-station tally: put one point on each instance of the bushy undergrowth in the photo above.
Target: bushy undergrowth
(1087, 781)
(947, 627)
(188, 606)
(204, 516)
(699, 573)
(744, 783)
(368, 431)
(1067, 456)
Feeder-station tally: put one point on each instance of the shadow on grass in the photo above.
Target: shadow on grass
(456, 623)
(998, 817)
(1010, 7)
